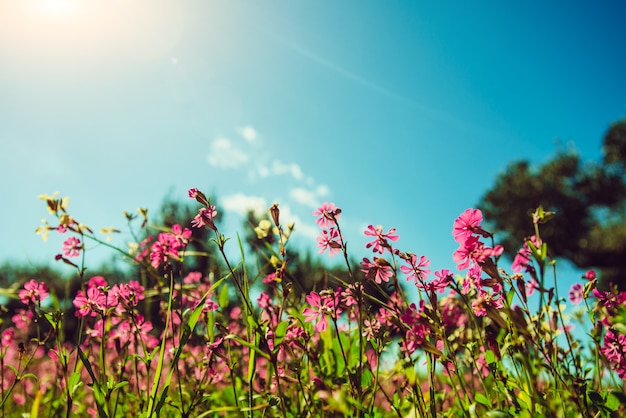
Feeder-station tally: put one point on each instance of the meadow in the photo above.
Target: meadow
(380, 337)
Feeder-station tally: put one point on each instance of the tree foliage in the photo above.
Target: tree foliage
(589, 200)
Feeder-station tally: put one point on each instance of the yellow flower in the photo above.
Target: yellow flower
(263, 230)
(43, 230)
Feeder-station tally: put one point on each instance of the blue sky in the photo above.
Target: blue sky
(402, 113)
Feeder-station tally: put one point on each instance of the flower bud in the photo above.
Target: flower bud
(275, 212)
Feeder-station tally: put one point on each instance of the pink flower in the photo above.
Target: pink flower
(181, 235)
(481, 364)
(22, 318)
(443, 279)
(193, 192)
(205, 218)
(467, 224)
(531, 286)
(91, 304)
(522, 259)
(128, 294)
(576, 293)
(371, 328)
(322, 306)
(485, 301)
(6, 338)
(96, 281)
(416, 270)
(329, 240)
(72, 247)
(590, 275)
(614, 349)
(199, 196)
(165, 247)
(328, 215)
(380, 270)
(473, 250)
(381, 239)
(33, 292)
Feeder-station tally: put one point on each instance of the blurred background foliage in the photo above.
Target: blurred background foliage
(588, 198)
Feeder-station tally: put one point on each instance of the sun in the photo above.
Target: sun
(58, 8)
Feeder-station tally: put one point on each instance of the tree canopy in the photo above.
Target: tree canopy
(589, 201)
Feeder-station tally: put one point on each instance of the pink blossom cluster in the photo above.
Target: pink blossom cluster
(467, 232)
(474, 256)
(206, 214)
(330, 239)
(168, 245)
(610, 303)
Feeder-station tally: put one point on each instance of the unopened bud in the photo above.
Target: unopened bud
(275, 212)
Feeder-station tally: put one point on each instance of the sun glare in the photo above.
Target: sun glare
(58, 8)
(47, 33)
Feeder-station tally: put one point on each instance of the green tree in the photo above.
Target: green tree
(589, 201)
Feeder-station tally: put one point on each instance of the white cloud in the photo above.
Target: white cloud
(248, 133)
(322, 190)
(304, 196)
(224, 154)
(302, 229)
(240, 203)
(279, 168)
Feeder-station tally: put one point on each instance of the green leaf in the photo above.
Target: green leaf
(223, 297)
(595, 397)
(280, 332)
(482, 399)
(612, 402)
(497, 414)
(75, 383)
(98, 394)
(490, 357)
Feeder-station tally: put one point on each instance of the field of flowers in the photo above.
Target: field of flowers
(386, 337)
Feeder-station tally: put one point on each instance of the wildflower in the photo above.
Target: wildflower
(166, 246)
(443, 278)
(380, 270)
(576, 293)
(181, 235)
(371, 328)
(473, 250)
(193, 192)
(481, 364)
(329, 240)
(6, 338)
(205, 218)
(467, 224)
(614, 349)
(43, 230)
(321, 307)
(352, 294)
(485, 301)
(531, 286)
(416, 270)
(128, 294)
(91, 303)
(22, 318)
(381, 240)
(590, 275)
(199, 196)
(523, 256)
(72, 247)
(34, 292)
(271, 278)
(328, 215)
(140, 250)
(263, 230)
